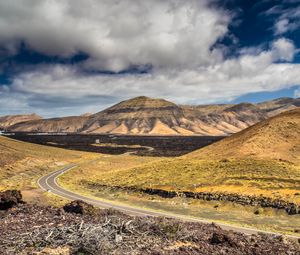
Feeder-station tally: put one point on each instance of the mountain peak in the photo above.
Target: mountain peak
(143, 101)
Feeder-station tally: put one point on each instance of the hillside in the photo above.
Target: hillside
(71, 124)
(139, 115)
(9, 120)
(21, 164)
(149, 116)
(275, 138)
(276, 106)
(261, 160)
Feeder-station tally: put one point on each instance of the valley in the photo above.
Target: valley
(227, 172)
(118, 144)
(149, 127)
(212, 178)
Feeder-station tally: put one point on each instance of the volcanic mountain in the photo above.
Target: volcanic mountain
(9, 120)
(148, 116)
(140, 115)
(275, 138)
(72, 124)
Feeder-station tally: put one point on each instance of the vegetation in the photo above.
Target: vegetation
(262, 160)
(111, 232)
(21, 164)
(104, 166)
(273, 179)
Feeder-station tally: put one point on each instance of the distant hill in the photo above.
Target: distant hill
(274, 138)
(10, 120)
(71, 124)
(140, 115)
(149, 116)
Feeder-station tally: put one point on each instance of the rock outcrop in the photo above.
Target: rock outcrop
(79, 207)
(9, 199)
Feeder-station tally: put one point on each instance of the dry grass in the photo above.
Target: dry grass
(262, 160)
(275, 138)
(21, 164)
(105, 165)
(273, 179)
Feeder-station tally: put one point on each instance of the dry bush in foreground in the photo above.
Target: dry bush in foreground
(30, 229)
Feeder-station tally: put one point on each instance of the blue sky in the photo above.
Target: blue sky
(68, 57)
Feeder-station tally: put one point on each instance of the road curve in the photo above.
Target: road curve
(49, 184)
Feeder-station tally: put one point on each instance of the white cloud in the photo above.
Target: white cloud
(282, 26)
(284, 49)
(56, 87)
(177, 38)
(117, 34)
(288, 19)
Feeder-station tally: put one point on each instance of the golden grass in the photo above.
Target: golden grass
(105, 165)
(21, 164)
(275, 138)
(270, 178)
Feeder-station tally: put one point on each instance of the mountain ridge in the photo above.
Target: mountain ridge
(9, 120)
(148, 116)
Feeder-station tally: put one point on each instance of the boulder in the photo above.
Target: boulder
(10, 198)
(79, 207)
(218, 237)
(292, 209)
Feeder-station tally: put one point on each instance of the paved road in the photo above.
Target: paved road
(49, 183)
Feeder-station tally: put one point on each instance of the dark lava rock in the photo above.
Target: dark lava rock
(10, 198)
(32, 229)
(292, 210)
(79, 207)
(221, 238)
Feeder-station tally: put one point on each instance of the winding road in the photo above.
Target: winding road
(49, 184)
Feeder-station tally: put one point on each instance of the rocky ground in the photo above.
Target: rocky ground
(78, 228)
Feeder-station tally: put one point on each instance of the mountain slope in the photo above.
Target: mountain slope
(141, 115)
(9, 120)
(276, 106)
(276, 138)
(66, 124)
(21, 164)
(148, 116)
(261, 160)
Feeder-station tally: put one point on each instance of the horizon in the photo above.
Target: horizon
(70, 58)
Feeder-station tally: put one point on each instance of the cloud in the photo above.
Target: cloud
(284, 49)
(178, 39)
(66, 89)
(287, 17)
(282, 26)
(117, 34)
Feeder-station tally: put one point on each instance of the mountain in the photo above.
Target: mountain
(149, 116)
(275, 138)
(140, 115)
(71, 124)
(260, 161)
(222, 119)
(279, 105)
(9, 120)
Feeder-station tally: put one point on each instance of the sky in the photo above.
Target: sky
(60, 58)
